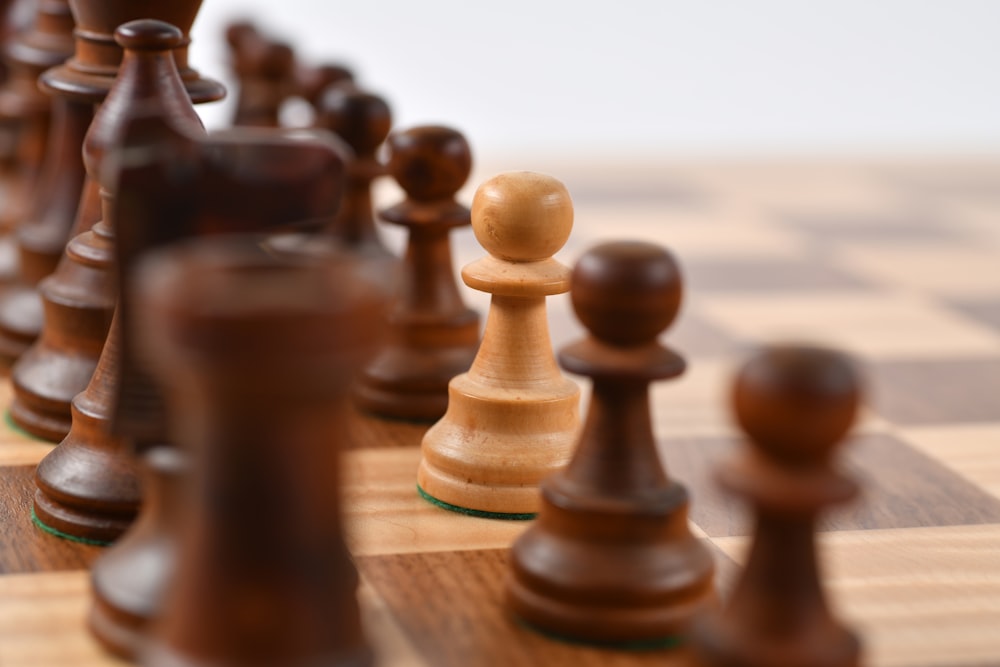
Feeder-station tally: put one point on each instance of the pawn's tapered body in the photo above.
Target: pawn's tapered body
(513, 418)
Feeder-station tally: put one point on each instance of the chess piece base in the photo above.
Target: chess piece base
(129, 580)
(120, 631)
(411, 383)
(86, 492)
(610, 571)
(479, 456)
(78, 301)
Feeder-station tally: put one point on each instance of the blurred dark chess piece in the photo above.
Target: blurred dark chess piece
(363, 121)
(432, 335)
(88, 487)
(611, 558)
(51, 131)
(25, 114)
(256, 353)
(311, 82)
(173, 185)
(79, 297)
(15, 17)
(264, 71)
(796, 404)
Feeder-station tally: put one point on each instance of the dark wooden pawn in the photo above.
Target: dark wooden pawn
(88, 487)
(432, 335)
(363, 121)
(264, 71)
(256, 353)
(312, 81)
(49, 153)
(79, 297)
(25, 114)
(611, 558)
(171, 185)
(795, 404)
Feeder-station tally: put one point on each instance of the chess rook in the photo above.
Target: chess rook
(256, 354)
(611, 558)
(432, 336)
(796, 404)
(513, 417)
(236, 182)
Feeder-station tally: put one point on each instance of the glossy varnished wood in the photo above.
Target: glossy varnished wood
(912, 566)
(79, 297)
(261, 421)
(611, 557)
(89, 487)
(512, 419)
(796, 404)
(432, 334)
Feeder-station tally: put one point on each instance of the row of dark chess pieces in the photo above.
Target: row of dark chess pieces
(203, 325)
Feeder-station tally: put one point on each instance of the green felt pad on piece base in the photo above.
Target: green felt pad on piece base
(471, 512)
(20, 431)
(66, 536)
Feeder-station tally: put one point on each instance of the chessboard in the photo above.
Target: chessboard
(895, 263)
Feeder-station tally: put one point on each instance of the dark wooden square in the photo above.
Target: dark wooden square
(936, 391)
(450, 606)
(901, 488)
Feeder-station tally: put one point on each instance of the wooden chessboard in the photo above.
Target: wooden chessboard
(897, 263)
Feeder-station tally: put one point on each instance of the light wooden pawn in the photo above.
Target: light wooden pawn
(512, 419)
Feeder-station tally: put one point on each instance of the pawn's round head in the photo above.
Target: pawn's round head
(797, 402)
(148, 35)
(626, 292)
(360, 118)
(429, 162)
(522, 216)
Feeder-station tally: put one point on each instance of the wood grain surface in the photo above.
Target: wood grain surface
(893, 262)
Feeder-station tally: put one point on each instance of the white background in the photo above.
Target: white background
(658, 78)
